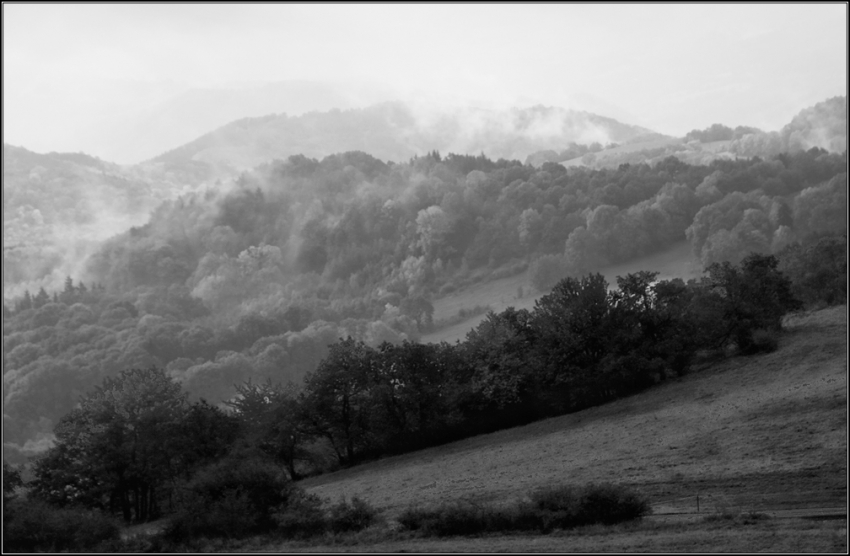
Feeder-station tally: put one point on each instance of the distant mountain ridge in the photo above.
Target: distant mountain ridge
(393, 131)
(823, 126)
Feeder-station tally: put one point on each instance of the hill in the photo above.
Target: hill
(394, 131)
(57, 207)
(761, 433)
(822, 126)
(188, 114)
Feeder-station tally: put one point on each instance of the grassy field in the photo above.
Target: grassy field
(675, 262)
(762, 433)
(699, 535)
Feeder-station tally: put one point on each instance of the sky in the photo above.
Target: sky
(73, 72)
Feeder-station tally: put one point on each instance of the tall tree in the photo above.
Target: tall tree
(117, 448)
(338, 400)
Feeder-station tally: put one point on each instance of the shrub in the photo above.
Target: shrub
(556, 507)
(454, 518)
(302, 516)
(762, 341)
(35, 526)
(233, 498)
(353, 516)
(609, 504)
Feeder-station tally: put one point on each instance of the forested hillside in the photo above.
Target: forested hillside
(256, 278)
(271, 320)
(58, 207)
(395, 131)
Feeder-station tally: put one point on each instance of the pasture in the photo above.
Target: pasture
(763, 434)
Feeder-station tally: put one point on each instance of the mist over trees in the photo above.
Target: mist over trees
(823, 126)
(258, 329)
(255, 280)
(254, 277)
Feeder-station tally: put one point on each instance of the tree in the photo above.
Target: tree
(337, 398)
(118, 447)
(273, 419)
(419, 309)
(413, 389)
(753, 296)
(11, 481)
(41, 299)
(574, 327)
(818, 271)
(500, 352)
(69, 292)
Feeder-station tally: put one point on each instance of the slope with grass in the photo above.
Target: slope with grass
(756, 433)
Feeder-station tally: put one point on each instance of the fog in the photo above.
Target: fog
(125, 82)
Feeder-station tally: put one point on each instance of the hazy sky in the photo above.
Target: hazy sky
(71, 69)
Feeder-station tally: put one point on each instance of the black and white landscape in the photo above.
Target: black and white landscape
(424, 277)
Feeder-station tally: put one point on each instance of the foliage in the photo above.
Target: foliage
(232, 497)
(127, 444)
(337, 398)
(302, 516)
(817, 270)
(11, 481)
(764, 341)
(36, 526)
(754, 296)
(352, 515)
(561, 507)
(255, 280)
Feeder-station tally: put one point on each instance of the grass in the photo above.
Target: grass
(751, 436)
(500, 294)
(789, 536)
(756, 433)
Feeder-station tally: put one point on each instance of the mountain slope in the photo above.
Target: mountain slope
(397, 132)
(823, 125)
(57, 206)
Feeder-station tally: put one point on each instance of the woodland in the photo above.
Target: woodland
(267, 328)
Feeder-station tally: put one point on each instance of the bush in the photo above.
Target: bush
(762, 341)
(557, 507)
(609, 504)
(301, 517)
(454, 518)
(353, 516)
(233, 498)
(35, 526)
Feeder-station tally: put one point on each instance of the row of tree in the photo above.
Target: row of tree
(582, 345)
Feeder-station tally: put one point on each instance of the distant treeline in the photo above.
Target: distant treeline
(719, 132)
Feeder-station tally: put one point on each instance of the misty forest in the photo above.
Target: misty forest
(260, 299)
